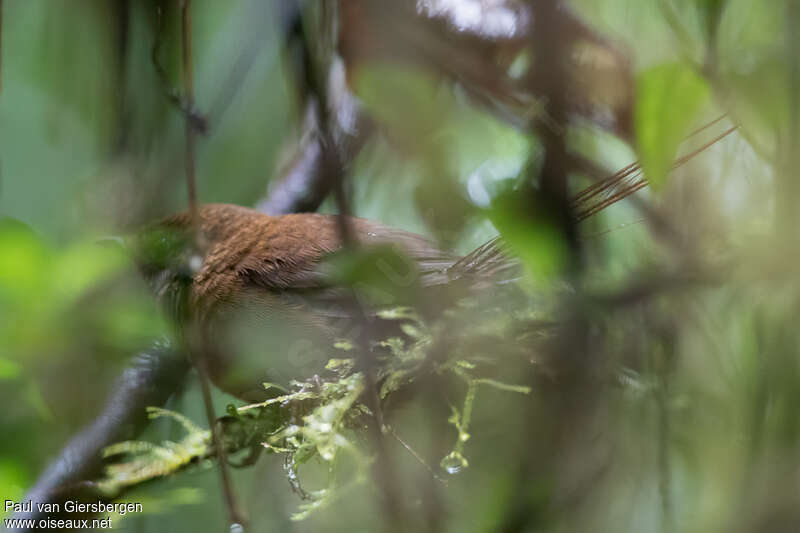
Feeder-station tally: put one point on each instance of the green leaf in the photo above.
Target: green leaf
(13, 478)
(24, 261)
(668, 99)
(9, 369)
(529, 227)
(382, 274)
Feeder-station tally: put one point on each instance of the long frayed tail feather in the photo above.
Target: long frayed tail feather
(490, 260)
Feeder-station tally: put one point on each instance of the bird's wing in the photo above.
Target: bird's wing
(298, 270)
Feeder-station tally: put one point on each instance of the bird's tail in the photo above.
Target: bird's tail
(489, 262)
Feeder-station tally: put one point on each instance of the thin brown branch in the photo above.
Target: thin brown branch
(665, 467)
(334, 171)
(234, 513)
(787, 185)
(188, 92)
(198, 121)
(334, 128)
(1, 46)
(303, 184)
(549, 44)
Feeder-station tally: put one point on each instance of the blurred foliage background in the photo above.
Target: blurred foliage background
(677, 407)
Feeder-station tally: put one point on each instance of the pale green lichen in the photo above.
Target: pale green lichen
(321, 418)
(147, 461)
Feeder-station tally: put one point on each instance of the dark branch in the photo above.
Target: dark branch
(151, 378)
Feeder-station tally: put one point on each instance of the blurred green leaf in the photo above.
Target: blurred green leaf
(82, 266)
(23, 261)
(55, 301)
(13, 479)
(528, 228)
(668, 99)
(382, 274)
(9, 369)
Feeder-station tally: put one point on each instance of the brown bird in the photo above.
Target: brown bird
(267, 296)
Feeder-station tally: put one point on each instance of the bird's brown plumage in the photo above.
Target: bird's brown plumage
(244, 247)
(269, 274)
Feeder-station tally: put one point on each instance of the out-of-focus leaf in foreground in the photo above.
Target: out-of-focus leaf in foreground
(76, 296)
(668, 99)
(530, 231)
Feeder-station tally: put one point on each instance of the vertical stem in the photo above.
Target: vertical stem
(788, 186)
(188, 88)
(550, 39)
(234, 514)
(1, 45)
(122, 16)
(335, 171)
(664, 431)
(572, 403)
